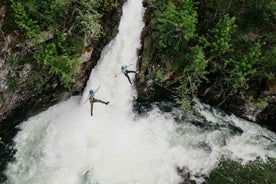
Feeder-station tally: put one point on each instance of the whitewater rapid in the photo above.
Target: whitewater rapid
(65, 145)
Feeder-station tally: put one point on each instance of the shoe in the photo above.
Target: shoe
(106, 103)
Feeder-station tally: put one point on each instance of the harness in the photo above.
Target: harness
(91, 97)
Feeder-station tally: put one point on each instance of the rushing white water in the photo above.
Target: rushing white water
(65, 145)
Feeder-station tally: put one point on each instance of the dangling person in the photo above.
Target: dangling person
(93, 100)
(125, 72)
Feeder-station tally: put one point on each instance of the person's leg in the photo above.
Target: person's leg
(130, 71)
(128, 78)
(100, 101)
(91, 104)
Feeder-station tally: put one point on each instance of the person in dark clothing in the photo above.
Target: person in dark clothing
(125, 72)
(93, 100)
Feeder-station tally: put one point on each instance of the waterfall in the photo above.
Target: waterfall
(65, 145)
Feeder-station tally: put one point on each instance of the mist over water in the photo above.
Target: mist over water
(65, 145)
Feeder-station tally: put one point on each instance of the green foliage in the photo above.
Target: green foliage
(235, 69)
(109, 5)
(194, 73)
(196, 66)
(257, 13)
(266, 66)
(35, 81)
(174, 26)
(59, 55)
(185, 93)
(262, 103)
(219, 40)
(72, 46)
(159, 75)
(239, 72)
(90, 25)
(34, 15)
(257, 172)
(23, 19)
(55, 59)
(229, 42)
(12, 83)
(89, 18)
(151, 2)
(12, 61)
(9, 24)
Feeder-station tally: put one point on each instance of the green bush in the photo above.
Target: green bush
(266, 66)
(194, 73)
(220, 36)
(253, 172)
(59, 55)
(12, 83)
(55, 59)
(216, 40)
(174, 26)
(239, 72)
(12, 62)
(35, 81)
(159, 75)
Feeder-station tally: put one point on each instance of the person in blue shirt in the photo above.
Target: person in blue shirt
(125, 71)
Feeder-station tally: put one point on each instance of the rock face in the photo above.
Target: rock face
(17, 99)
(185, 174)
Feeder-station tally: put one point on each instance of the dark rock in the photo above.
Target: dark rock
(267, 117)
(185, 174)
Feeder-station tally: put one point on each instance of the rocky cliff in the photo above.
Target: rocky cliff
(261, 111)
(18, 99)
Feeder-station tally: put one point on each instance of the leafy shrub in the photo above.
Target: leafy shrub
(240, 72)
(60, 54)
(257, 172)
(218, 41)
(12, 61)
(194, 72)
(12, 83)
(159, 75)
(57, 62)
(174, 26)
(35, 81)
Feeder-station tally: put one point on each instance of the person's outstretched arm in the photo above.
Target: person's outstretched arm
(122, 71)
(97, 89)
(129, 65)
(117, 74)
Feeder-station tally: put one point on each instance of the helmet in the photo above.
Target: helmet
(91, 91)
(122, 67)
